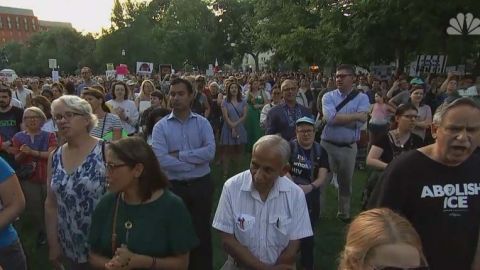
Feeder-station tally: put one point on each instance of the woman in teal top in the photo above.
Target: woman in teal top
(12, 204)
(256, 98)
(140, 224)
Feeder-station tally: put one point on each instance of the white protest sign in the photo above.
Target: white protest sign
(144, 68)
(430, 64)
(52, 63)
(110, 74)
(55, 76)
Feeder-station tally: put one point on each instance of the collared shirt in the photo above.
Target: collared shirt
(265, 228)
(344, 133)
(21, 95)
(194, 140)
(281, 119)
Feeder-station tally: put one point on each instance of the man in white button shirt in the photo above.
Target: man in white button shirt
(262, 215)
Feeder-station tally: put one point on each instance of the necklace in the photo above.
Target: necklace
(399, 140)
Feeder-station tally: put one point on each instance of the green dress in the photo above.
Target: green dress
(159, 229)
(252, 122)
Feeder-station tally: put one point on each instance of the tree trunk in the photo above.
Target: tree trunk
(400, 55)
(255, 59)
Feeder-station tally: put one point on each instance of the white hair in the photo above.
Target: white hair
(277, 142)
(36, 111)
(445, 107)
(78, 105)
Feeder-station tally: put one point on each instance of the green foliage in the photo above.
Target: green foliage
(70, 48)
(300, 32)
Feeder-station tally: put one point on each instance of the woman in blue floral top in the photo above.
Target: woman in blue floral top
(76, 182)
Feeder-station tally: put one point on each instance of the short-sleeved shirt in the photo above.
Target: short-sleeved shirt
(106, 124)
(441, 202)
(10, 123)
(306, 162)
(8, 235)
(390, 150)
(160, 228)
(264, 227)
(41, 142)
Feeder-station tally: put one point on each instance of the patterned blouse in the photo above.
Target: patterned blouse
(77, 195)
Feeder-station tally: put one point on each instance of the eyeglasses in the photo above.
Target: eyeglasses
(31, 117)
(112, 166)
(306, 132)
(67, 116)
(411, 117)
(341, 76)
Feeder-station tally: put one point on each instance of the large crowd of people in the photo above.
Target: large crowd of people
(116, 174)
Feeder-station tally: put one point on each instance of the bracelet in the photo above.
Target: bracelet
(154, 263)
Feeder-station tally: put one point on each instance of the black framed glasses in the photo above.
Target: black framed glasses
(67, 116)
(112, 166)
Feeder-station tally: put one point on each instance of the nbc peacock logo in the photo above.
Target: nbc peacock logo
(464, 24)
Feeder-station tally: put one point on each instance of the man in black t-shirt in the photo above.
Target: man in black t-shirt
(437, 188)
(10, 123)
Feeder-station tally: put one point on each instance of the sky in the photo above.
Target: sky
(85, 15)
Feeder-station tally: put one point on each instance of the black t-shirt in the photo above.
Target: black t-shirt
(304, 161)
(390, 150)
(10, 123)
(441, 202)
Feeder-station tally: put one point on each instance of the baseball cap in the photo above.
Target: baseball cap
(305, 120)
(416, 81)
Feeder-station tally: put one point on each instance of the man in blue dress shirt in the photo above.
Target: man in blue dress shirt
(184, 145)
(341, 132)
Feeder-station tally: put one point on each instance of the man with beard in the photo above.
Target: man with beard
(10, 123)
(437, 188)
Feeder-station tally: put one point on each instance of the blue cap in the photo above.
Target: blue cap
(305, 120)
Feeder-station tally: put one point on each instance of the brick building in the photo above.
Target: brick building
(18, 24)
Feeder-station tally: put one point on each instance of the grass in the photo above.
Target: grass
(329, 235)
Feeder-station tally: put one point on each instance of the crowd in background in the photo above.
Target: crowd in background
(54, 134)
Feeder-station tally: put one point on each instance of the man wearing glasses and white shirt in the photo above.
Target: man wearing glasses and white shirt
(345, 111)
(262, 215)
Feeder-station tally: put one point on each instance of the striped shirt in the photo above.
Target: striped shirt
(111, 122)
(265, 228)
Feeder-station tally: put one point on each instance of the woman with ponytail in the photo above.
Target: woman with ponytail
(109, 125)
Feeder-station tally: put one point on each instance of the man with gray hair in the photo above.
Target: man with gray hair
(437, 188)
(262, 215)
